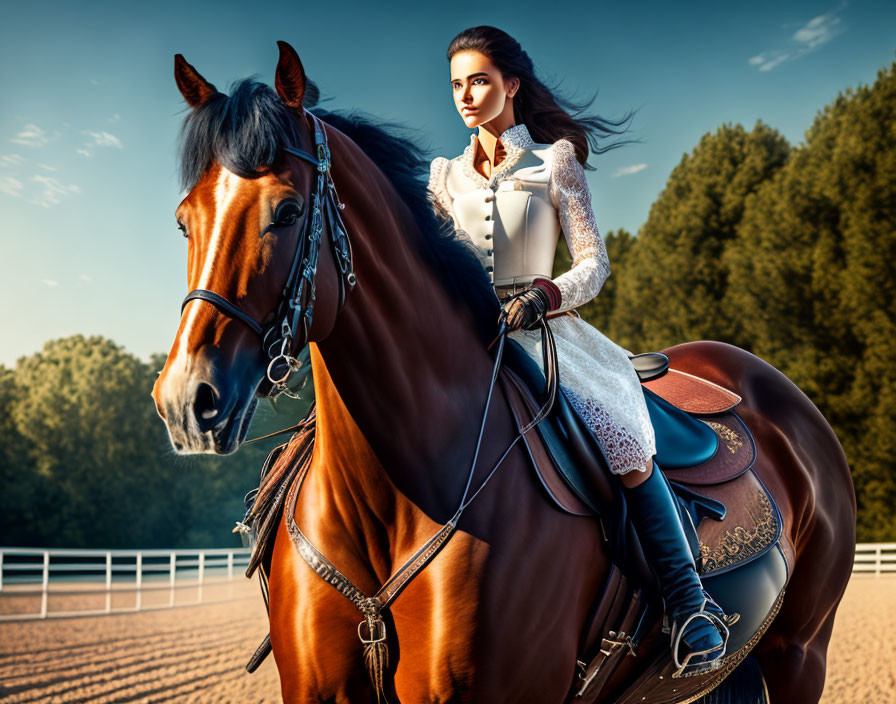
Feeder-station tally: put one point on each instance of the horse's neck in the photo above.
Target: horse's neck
(408, 365)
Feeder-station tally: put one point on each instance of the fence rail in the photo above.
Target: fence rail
(60, 574)
(31, 572)
(875, 557)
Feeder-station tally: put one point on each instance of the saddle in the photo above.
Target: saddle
(734, 527)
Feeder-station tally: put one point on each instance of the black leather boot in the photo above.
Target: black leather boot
(697, 622)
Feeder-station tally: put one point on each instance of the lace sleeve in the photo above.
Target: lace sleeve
(438, 171)
(571, 196)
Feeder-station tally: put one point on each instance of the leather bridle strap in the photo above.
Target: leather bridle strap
(221, 303)
(290, 328)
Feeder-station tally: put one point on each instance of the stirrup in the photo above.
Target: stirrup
(704, 666)
(713, 607)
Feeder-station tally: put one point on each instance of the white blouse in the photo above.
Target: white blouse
(595, 372)
(570, 195)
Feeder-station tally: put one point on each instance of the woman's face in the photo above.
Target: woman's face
(480, 92)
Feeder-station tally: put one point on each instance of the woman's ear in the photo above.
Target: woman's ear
(512, 86)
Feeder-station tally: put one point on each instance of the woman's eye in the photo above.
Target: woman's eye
(484, 82)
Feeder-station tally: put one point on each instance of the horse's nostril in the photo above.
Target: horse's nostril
(205, 405)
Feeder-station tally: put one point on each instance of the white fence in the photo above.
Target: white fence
(109, 577)
(875, 557)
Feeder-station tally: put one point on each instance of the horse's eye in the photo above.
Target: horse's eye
(287, 213)
(182, 228)
(288, 218)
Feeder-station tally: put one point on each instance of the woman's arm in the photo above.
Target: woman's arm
(571, 196)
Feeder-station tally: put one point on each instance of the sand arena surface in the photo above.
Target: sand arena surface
(197, 654)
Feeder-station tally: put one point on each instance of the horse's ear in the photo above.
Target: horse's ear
(195, 89)
(290, 78)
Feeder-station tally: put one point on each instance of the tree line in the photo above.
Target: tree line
(86, 462)
(785, 250)
(788, 252)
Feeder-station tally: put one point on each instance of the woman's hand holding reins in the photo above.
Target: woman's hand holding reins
(525, 310)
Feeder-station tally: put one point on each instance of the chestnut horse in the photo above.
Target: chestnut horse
(401, 371)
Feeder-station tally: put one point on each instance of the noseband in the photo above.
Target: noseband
(292, 317)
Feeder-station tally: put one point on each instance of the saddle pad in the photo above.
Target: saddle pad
(735, 454)
(692, 393)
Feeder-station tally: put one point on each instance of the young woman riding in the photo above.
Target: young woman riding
(515, 187)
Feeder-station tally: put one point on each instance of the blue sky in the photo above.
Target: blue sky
(90, 115)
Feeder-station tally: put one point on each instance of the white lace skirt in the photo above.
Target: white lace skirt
(602, 386)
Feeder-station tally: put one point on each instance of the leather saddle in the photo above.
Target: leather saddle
(733, 525)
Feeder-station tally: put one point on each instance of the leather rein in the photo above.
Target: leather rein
(290, 327)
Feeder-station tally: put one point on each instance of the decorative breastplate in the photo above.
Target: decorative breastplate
(509, 217)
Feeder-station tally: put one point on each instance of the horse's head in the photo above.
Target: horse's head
(250, 253)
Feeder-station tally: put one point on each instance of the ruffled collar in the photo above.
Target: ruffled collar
(515, 140)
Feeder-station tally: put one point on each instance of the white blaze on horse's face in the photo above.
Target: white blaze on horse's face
(206, 391)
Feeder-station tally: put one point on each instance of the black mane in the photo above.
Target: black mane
(244, 130)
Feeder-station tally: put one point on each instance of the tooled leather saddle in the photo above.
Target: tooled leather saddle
(733, 525)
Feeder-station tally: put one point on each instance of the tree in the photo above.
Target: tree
(674, 280)
(814, 266)
(86, 462)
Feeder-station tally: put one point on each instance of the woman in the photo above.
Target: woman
(518, 183)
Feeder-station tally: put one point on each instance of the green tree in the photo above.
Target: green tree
(86, 462)
(812, 275)
(670, 290)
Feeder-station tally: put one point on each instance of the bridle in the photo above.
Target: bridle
(290, 328)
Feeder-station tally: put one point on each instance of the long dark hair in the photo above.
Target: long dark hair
(547, 115)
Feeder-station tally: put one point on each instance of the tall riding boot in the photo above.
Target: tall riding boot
(696, 620)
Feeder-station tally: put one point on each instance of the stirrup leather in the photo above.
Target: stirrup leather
(685, 667)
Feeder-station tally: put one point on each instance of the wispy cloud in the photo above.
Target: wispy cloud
(45, 167)
(815, 33)
(51, 191)
(86, 278)
(31, 136)
(819, 30)
(104, 139)
(629, 170)
(99, 139)
(50, 282)
(115, 118)
(11, 186)
(12, 160)
(767, 60)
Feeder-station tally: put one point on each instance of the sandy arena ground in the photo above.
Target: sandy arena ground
(197, 654)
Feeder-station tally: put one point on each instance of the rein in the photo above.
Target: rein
(372, 629)
(292, 318)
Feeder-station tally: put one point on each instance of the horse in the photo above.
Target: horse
(402, 369)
